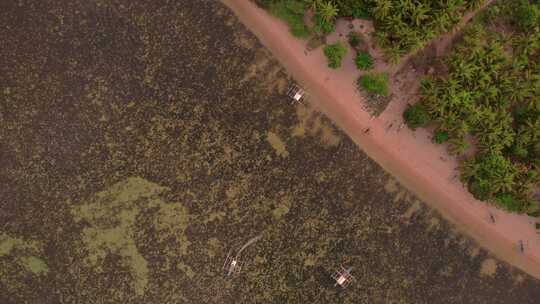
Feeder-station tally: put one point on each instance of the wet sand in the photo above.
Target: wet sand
(421, 166)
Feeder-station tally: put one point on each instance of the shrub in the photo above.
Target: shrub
(474, 4)
(509, 202)
(363, 61)
(521, 114)
(527, 15)
(355, 39)
(492, 176)
(354, 8)
(490, 14)
(440, 136)
(376, 84)
(322, 25)
(520, 152)
(417, 116)
(335, 53)
(292, 12)
(479, 191)
(534, 214)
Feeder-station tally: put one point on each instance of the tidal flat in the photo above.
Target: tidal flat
(141, 141)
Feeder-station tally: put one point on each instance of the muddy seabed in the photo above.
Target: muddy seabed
(141, 141)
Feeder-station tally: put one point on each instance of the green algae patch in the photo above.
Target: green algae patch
(112, 218)
(276, 143)
(282, 208)
(19, 259)
(7, 244)
(34, 265)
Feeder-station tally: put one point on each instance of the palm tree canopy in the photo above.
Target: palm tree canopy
(328, 11)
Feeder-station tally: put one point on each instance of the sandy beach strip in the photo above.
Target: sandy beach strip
(424, 168)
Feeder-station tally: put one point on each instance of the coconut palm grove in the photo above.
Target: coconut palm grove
(487, 105)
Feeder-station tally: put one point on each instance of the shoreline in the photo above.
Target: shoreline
(424, 168)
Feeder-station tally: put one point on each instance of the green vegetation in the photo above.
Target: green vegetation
(327, 10)
(34, 265)
(375, 84)
(111, 222)
(527, 15)
(489, 99)
(322, 25)
(534, 213)
(292, 12)
(355, 39)
(325, 15)
(417, 116)
(401, 26)
(335, 53)
(363, 61)
(490, 174)
(354, 8)
(404, 26)
(440, 137)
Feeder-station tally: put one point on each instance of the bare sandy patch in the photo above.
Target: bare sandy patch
(489, 267)
(401, 195)
(391, 186)
(244, 41)
(281, 85)
(414, 208)
(474, 251)
(518, 279)
(303, 113)
(329, 137)
(434, 223)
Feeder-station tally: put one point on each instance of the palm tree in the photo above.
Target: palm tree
(506, 183)
(474, 4)
(529, 132)
(469, 169)
(458, 145)
(312, 4)
(420, 13)
(382, 9)
(328, 11)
